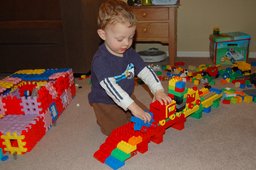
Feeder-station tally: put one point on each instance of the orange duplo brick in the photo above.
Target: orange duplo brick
(223, 81)
(135, 140)
(241, 93)
(239, 99)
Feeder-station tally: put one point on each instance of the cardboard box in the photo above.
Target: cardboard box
(227, 48)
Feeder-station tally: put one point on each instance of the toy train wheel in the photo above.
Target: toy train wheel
(178, 114)
(172, 117)
(190, 106)
(162, 122)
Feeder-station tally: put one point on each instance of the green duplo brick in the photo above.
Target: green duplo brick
(159, 73)
(233, 100)
(254, 99)
(198, 114)
(216, 103)
(120, 155)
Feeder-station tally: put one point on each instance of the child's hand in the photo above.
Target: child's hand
(162, 97)
(138, 112)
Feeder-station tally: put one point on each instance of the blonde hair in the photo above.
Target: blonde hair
(115, 11)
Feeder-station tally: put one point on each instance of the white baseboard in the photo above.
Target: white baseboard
(193, 54)
(205, 54)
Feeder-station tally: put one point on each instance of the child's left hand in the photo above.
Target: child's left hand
(162, 97)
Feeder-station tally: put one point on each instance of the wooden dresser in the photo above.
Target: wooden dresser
(158, 24)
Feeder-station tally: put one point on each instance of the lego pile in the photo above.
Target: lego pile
(31, 101)
(133, 137)
(241, 74)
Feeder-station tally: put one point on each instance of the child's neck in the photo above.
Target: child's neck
(112, 52)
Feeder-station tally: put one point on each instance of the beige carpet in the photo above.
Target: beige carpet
(224, 139)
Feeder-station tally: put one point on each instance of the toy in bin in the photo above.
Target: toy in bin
(228, 48)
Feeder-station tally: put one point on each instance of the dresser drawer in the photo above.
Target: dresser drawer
(152, 31)
(151, 14)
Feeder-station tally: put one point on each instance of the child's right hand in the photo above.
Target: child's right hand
(138, 112)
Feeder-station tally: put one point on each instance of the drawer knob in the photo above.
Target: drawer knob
(144, 14)
(145, 30)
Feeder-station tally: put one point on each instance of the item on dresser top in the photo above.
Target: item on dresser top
(164, 2)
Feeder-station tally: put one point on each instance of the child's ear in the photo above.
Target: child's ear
(101, 33)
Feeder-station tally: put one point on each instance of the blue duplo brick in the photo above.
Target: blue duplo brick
(114, 163)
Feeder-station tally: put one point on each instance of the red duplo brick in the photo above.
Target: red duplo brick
(143, 146)
(107, 147)
(225, 101)
(240, 81)
(179, 89)
(157, 136)
(180, 124)
(123, 132)
(101, 156)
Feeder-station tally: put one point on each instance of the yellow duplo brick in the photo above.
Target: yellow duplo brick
(198, 76)
(83, 76)
(196, 82)
(248, 99)
(172, 84)
(188, 112)
(204, 91)
(126, 147)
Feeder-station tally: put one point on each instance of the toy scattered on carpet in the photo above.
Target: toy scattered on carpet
(240, 74)
(2, 156)
(31, 101)
(125, 141)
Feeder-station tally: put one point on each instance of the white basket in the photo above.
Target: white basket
(152, 55)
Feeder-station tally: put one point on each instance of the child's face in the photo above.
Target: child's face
(118, 37)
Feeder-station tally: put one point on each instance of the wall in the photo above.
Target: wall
(197, 18)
